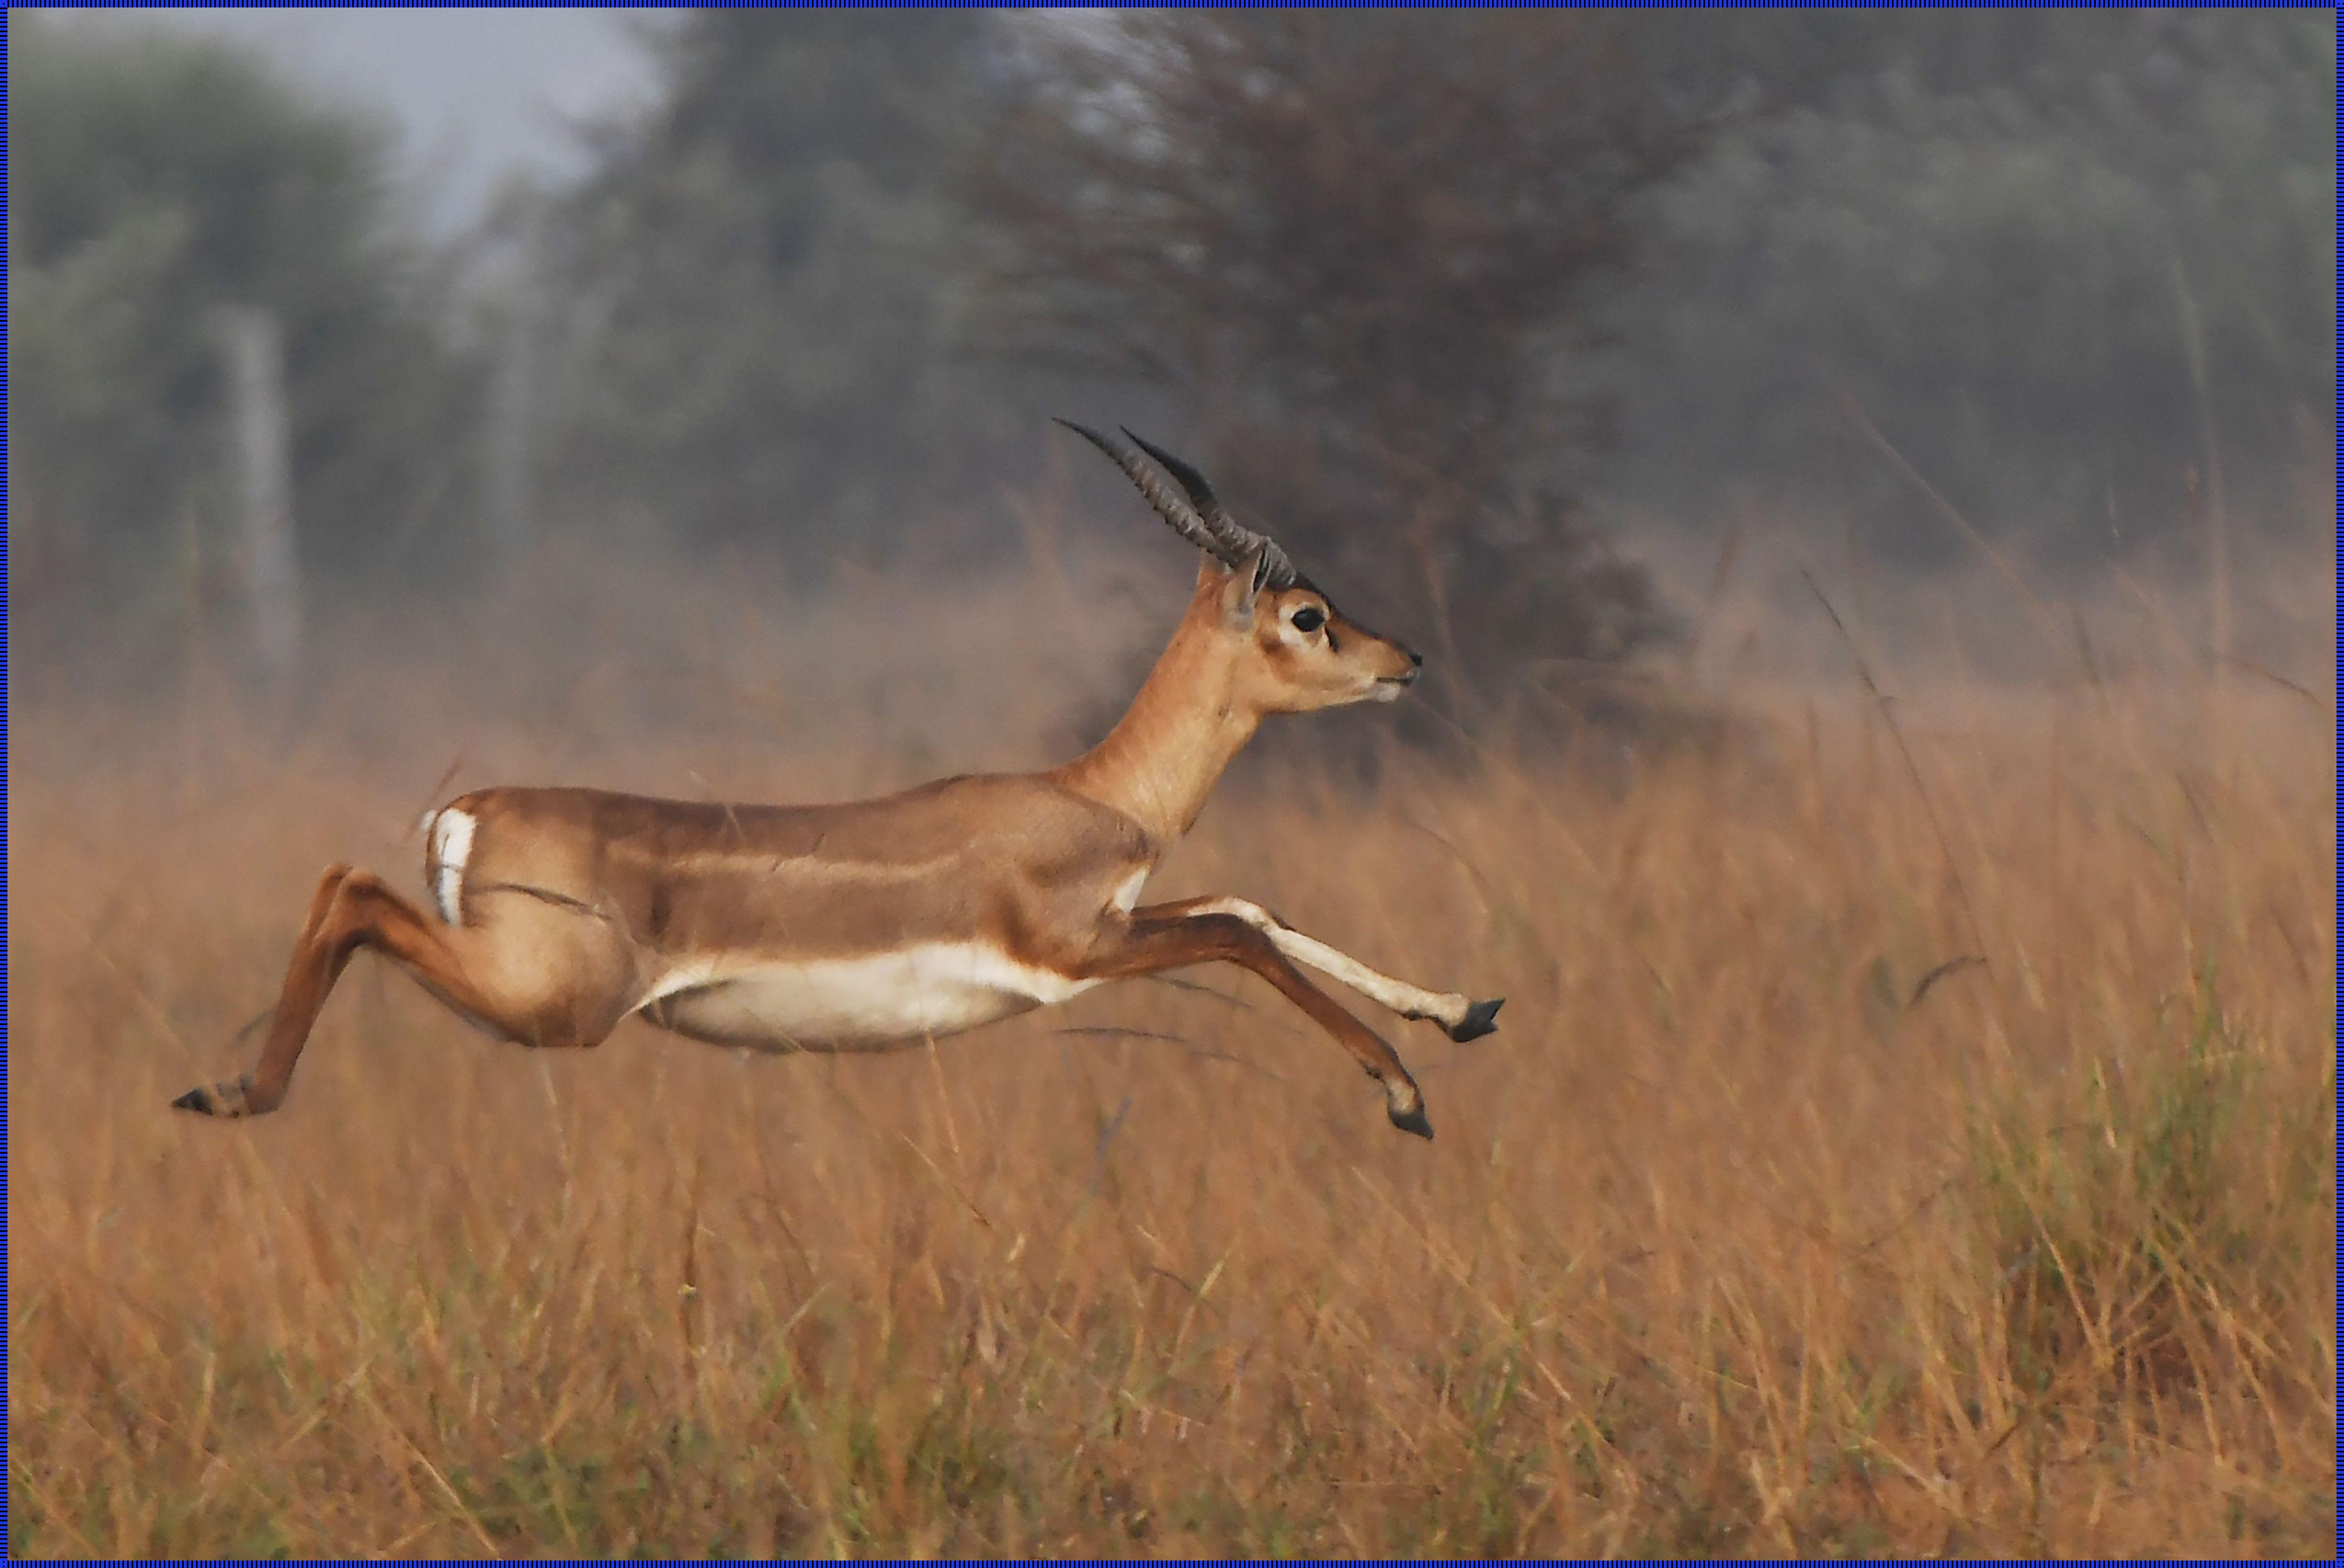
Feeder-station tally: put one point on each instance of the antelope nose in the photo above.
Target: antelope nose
(1415, 659)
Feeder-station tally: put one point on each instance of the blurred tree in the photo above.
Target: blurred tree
(152, 181)
(763, 280)
(1990, 231)
(1354, 242)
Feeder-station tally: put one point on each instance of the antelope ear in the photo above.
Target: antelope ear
(1242, 587)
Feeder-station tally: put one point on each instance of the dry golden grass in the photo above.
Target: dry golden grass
(1769, 1222)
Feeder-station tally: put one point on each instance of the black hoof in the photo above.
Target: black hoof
(196, 1100)
(1413, 1121)
(1479, 1019)
(228, 1099)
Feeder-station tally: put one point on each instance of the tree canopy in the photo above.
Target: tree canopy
(763, 279)
(1998, 236)
(1432, 294)
(153, 181)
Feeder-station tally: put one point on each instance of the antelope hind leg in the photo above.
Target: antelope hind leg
(354, 909)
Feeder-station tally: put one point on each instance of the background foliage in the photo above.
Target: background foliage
(1989, 233)
(1472, 308)
(765, 283)
(151, 181)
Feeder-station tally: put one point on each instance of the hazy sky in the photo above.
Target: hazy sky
(477, 95)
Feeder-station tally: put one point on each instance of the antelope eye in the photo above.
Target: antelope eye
(1309, 619)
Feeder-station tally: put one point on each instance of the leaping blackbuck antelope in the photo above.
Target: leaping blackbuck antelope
(884, 921)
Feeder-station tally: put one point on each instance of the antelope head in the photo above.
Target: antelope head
(1294, 651)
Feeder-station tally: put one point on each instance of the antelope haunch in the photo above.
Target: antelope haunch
(884, 922)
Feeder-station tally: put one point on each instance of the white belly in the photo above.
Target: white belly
(851, 1004)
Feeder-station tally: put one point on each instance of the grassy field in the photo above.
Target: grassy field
(1911, 1130)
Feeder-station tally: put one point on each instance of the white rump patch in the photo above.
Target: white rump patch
(1126, 898)
(452, 846)
(851, 1004)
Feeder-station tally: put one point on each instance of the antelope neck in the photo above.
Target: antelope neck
(1160, 762)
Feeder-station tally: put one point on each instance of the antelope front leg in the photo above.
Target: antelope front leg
(1156, 943)
(1462, 1017)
